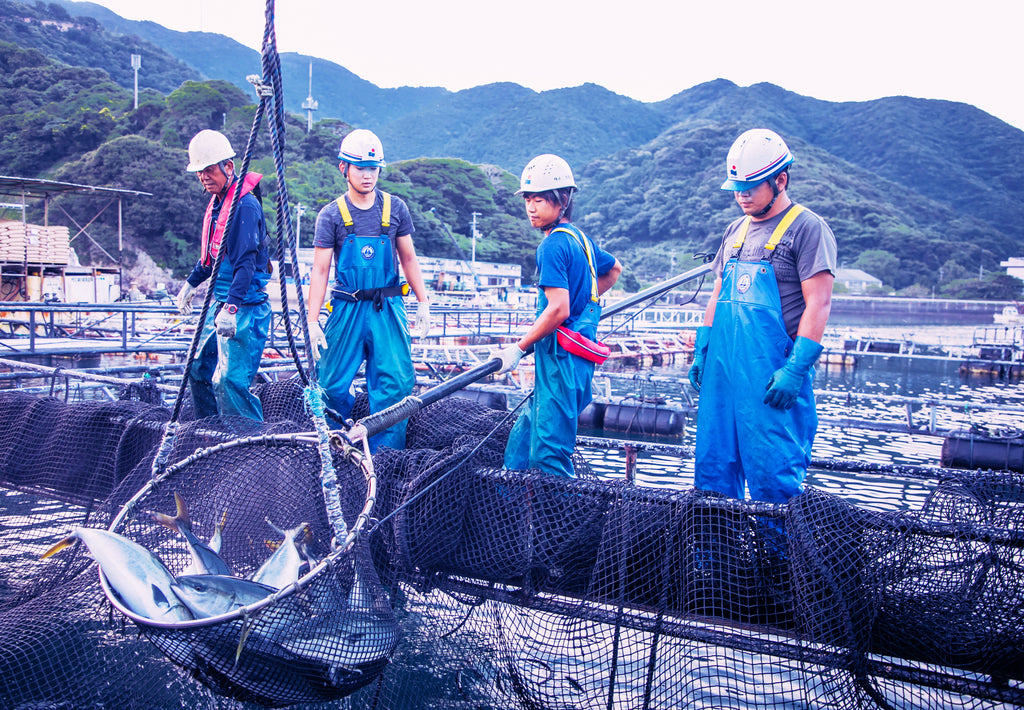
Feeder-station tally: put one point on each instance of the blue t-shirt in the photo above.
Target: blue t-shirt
(562, 263)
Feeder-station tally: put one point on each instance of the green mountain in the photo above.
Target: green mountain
(915, 189)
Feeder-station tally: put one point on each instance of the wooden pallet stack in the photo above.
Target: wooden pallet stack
(33, 243)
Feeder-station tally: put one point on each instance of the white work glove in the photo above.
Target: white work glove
(226, 323)
(422, 326)
(184, 300)
(317, 339)
(510, 355)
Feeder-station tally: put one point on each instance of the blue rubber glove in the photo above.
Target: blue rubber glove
(784, 385)
(700, 353)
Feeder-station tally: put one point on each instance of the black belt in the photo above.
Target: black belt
(377, 295)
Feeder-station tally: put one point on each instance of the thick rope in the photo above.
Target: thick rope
(286, 247)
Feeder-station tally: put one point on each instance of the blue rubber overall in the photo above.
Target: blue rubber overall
(358, 331)
(224, 368)
(544, 436)
(740, 439)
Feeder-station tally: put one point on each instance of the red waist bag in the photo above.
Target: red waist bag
(586, 348)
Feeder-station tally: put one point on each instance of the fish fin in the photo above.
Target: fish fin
(165, 520)
(246, 628)
(159, 598)
(278, 530)
(181, 512)
(66, 542)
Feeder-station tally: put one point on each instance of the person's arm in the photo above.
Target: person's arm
(709, 310)
(817, 292)
(318, 277)
(553, 315)
(606, 280)
(243, 247)
(411, 267)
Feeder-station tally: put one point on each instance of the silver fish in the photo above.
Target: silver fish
(348, 644)
(204, 559)
(135, 574)
(213, 594)
(288, 562)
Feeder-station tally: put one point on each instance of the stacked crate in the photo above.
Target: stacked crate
(33, 243)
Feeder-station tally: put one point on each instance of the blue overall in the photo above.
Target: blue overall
(740, 439)
(374, 331)
(224, 368)
(544, 436)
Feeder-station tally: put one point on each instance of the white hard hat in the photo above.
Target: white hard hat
(545, 172)
(755, 156)
(362, 148)
(208, 148)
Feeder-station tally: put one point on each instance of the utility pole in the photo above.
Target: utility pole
(475, 234)
(310, 104)
(136, 63)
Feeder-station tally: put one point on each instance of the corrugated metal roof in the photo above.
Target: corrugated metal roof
(35, 188)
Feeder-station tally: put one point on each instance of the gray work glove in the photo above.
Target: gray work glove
(226, 323)
(510, 355)
(317, 340)
(184, 300)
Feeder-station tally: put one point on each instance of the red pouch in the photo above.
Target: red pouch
(573, 342)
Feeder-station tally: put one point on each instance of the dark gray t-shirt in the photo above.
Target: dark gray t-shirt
(807, 248)
(331, 230)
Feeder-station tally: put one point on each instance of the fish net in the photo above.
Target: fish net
(475, 586)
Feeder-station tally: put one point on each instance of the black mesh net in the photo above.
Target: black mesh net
(477, 587)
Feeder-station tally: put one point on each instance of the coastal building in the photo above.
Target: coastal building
(857, 281)
(445, 274)
(1014, 266)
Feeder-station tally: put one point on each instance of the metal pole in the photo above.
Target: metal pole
(136, 63)
(120, 246)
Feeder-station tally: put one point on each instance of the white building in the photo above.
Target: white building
(445, 274)
(1014, 266)
(857, 281)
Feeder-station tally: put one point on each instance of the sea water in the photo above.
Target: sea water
(874, 389)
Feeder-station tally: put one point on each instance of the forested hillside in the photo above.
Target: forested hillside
(916, 190)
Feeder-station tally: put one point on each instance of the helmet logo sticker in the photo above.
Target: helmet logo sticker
(367, 252)
(743, 285)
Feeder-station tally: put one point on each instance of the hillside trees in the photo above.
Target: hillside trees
(53, 112)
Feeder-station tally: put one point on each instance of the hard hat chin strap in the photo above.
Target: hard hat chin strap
(774, 180)
(564, 201)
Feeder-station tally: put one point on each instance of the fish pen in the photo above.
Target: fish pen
(154, 560)
(474, 586)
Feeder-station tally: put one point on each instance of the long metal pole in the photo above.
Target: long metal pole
(654, 291)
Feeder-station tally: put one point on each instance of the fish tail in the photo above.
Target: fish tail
(66, 542)
(167, 521)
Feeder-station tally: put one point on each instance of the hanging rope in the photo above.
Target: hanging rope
(286, 247)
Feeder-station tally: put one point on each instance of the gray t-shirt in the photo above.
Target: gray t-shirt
(807, 248)
(331, 230)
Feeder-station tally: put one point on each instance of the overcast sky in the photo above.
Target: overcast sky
(646, 49)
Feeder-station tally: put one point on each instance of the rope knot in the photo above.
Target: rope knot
(263, 89)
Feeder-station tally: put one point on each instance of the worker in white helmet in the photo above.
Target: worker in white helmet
(754, 356)
(368, 234)
(573, 272)
(225, 365)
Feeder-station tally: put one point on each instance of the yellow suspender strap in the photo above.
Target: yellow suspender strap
(585, 245)
(741, 233)
(346, 215)
(385, 218)
(780, 230)
(793, 213)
